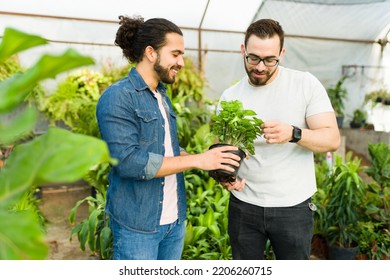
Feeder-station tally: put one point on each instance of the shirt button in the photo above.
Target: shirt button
(162, 183)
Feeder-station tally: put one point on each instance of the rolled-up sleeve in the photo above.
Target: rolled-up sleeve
(153, 165)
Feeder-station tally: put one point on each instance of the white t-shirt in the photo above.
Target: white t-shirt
(280, 175)
(169, 211)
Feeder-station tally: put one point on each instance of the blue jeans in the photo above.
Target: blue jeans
(289, 230)
(164, 244)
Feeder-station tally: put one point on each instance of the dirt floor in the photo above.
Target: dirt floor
(56, 204)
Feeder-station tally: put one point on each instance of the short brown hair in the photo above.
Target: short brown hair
(265, 28)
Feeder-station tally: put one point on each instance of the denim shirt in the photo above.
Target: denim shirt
(131, 124)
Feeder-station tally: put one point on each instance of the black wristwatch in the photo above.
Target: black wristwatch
(296, 134)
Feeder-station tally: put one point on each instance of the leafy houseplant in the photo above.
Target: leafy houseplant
(337, 95)
(74, 101)
(345, 191)
(377, 104)
(377, 96)
(379, 170)
(374, 241)
(359, 119)
(234, 126)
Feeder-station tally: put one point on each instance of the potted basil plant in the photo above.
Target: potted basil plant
(234, 126)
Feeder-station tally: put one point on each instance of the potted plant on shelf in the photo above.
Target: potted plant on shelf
(337, 95)
(358, 119)
(234, 126)
(342, 209)
(377, 105)
(375, 97)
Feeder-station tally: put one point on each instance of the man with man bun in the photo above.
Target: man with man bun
(146, 197)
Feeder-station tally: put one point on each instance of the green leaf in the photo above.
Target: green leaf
(72, 215)
(15, 89)
(83, 234)
(105, 242)
(189, 236)
(209, 218)
(21, 238)
(15, 41)
(20, 125)
(56, 156)
(198, 231)
(215, 231)
(92, 224)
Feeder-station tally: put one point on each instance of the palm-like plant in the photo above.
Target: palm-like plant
(345, 191)
(338, 95)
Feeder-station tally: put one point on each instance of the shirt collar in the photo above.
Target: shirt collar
(139, 83)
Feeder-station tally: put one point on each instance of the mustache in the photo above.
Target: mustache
(259, 72)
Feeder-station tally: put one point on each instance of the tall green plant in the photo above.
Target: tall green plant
(93, 231)
(345, 191)
(337, 95)
(51, 157)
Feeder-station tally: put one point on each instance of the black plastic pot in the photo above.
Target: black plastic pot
(224, 176)
(338, 253)
(340, 120)
(353, 124)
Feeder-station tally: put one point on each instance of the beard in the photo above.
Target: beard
(259, 81)
(163, 72)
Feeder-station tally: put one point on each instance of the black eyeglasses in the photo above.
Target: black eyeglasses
(255, 60)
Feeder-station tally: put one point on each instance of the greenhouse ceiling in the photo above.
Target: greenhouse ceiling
(332, 19)
(328, 38)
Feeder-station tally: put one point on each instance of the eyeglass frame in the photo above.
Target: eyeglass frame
(261, 60)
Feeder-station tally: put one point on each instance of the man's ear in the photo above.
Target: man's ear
(242, 50)
(281, 55)
(150, 53)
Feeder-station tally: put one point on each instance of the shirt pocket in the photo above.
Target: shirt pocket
(149, 126)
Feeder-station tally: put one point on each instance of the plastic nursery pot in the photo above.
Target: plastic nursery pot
(224, 176)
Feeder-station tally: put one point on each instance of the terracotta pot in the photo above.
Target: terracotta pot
(319, 247)
(361, 256)
(224, 176)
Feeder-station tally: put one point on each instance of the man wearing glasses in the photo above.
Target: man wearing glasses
(271, 200)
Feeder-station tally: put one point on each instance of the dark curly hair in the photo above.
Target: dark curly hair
(134, 35)
(265, 28)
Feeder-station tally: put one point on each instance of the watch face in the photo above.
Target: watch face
(297, 133)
